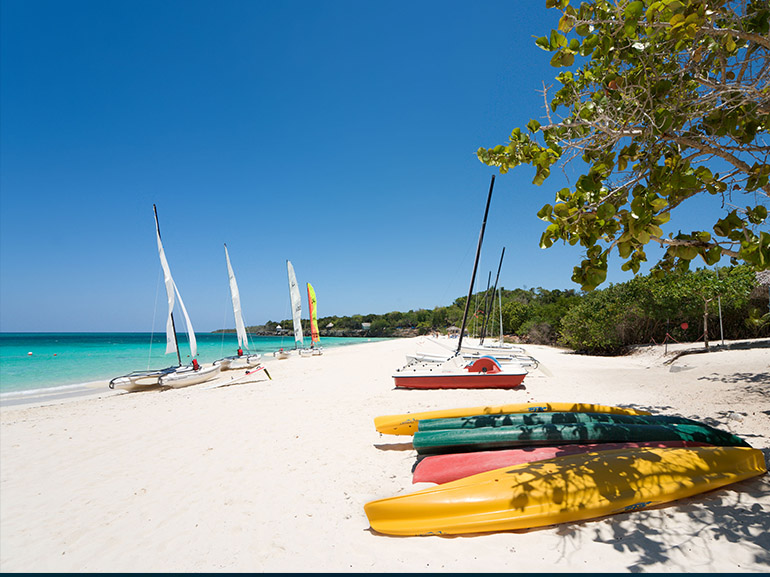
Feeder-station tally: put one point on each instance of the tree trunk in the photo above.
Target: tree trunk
(706, 322)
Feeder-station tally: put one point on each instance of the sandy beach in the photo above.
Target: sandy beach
(272, 475)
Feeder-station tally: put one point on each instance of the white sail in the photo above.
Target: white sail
(171, 289)
(169, 282)
(240, 327)
(190, 331)
(296, 304)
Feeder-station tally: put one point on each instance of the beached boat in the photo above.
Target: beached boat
(241, 360)
(180, 375)
(484, 372)
(456, 373)
(563, 490)
(489, 438)
(187, 375)
(407, 423)
(523, 360)
(296, 316)
(551, 418)
(315, 337)
(491, 348)
(452, 466)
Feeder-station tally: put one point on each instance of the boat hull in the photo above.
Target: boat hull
(466, 440)
(563, 490)
(187, 376)
(552, 418)
(236, 363)
(450, 467)
(406, 423)
(460, 381)
(140, 380)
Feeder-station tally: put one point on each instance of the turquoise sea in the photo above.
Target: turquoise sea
(38, 362)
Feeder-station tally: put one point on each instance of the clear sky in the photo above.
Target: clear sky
(340, 135)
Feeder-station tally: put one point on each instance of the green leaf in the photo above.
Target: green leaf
(540, 175)
(659, 204)
(545, 212)
(712, 255)
(606, 211)
(533, 125)
(565, 23)
(624, 249)
(634, 10)
(543, 43)
(756, 215)
(686, 252)
(583, 29)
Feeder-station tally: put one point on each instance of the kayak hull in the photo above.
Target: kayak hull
(564, 489)
(553, 418)
(452, 466)
(486, 438)
(406, 423)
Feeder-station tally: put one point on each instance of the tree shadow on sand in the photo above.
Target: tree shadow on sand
(736, 513)
(755, 380)
(659, 536)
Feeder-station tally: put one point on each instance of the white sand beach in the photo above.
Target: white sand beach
(272, 475)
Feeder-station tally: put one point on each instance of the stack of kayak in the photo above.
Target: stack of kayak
(530, 465)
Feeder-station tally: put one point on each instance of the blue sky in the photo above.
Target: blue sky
(340, 135)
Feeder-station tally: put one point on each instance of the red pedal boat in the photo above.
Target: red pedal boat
(482, 373)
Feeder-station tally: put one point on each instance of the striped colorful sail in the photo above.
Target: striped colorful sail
(314, 335)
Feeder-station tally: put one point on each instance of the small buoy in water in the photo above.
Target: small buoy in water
(29, 353)
(54, 354)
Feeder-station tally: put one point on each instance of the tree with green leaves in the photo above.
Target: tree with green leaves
(662, 100)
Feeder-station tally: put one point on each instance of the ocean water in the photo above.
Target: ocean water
(32, 362)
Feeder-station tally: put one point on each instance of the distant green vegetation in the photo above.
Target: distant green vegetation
(683, 307)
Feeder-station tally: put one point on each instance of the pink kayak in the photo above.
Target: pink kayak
(452, 466)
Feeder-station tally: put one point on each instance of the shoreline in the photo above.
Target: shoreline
(272, 475)
(16, 387)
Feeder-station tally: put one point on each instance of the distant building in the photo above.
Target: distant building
(454, 332)
(366, 326)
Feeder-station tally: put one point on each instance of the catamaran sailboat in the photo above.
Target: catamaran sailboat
(178, 376)
(241, 360)
(296, 314)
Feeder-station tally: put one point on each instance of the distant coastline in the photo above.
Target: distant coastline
(342, 333)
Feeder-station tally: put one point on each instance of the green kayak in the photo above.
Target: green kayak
(560, 418)
(507, 437)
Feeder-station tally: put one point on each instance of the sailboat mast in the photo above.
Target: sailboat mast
(494, 290)
(176, 341)
(475, 265)
(173, 325)
(500, 292)
(486, 309)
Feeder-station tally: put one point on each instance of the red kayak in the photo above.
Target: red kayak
(452, 466)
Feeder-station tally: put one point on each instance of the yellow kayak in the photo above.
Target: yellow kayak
(564, 489)
(406, 424)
